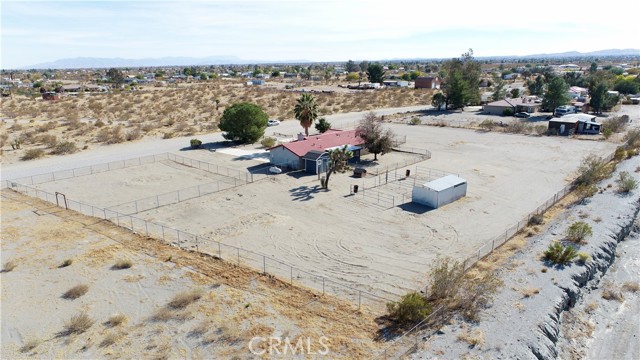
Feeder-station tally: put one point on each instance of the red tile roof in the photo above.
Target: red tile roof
(324, 141)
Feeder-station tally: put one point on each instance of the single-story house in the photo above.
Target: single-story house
(427, 82)
(439, 192)
(395, 83)
(575, 124)
(310, 153)
(527, 104)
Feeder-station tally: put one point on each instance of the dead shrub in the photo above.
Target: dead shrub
(529, 292)
(122, 264)
(134, 134)
(75, 292)
(9, 266)
(116, 320)
(78, 324)
(475, 339)
(611, 291)
(110, 339)
(30, 345)
(182, 300)
(65, 147)
(631, 286)
(32, 154)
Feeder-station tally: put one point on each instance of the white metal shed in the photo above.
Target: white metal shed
(440, 192)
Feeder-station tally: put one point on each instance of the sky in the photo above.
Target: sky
(34, 32)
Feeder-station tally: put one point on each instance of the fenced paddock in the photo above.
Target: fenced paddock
(393, 187)
(140, 184)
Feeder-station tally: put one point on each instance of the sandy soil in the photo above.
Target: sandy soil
(331, 234)
(236, 304)
(186, 110)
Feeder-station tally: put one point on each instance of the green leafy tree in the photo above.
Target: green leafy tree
(406, 77)
(115, 76)
(556, 94)
(275, 73)
(243, 122)
(499, 91)
(461, 80)
(306, 111)
(353, 76)
(515, 93)
(593, 68)
(364, 65)
(414, 75)
(375, 73)
(351, 67)
(627, 86)
(456, 90)
(598, 93)
(377, 139)
(322, 125)
(536, 87)
(438, 100)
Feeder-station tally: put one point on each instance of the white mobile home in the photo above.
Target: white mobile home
(439, 192)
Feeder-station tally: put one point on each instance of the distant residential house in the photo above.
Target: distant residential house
(308, 153)
(289, 75)
(527, 104)
(257, 82)
(577, 92)
(575, 124)
(427, 82)
(395, 83)
(510, 76)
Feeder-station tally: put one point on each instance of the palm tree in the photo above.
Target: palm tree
(306, 111)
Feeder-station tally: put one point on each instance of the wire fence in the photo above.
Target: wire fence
(392, 188)
(89, 170)
(174, 197)
(242, 175)
(229, 253)
(407, 343)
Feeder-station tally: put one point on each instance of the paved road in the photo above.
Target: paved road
(107, 153)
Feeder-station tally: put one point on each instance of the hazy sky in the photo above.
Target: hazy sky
(41, 31)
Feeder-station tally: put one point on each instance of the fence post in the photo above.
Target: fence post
(323, 286)
(493, 244)
(238, 256)
(291, 268)
(163, 239)
(360, 299)
(131, 218)
(146, 228)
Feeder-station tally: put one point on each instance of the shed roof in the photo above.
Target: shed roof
(313, 155)
(580, 118)
(444, 182)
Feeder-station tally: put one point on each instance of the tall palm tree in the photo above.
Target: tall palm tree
(306, 111)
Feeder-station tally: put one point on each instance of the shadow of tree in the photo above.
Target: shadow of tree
(304, 193)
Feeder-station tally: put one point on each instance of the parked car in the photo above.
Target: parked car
(275, 170)
(273, 123)
(522, 114)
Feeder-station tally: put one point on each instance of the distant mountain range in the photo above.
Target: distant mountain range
(608, 52)
(92, 62)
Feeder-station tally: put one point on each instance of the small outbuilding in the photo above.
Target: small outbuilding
(316, 162)
(440, 192)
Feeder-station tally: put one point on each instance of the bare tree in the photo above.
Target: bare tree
(377, 139)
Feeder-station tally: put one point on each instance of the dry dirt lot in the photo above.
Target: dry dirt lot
(385, 251)
(235, 304)
(190, 109)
